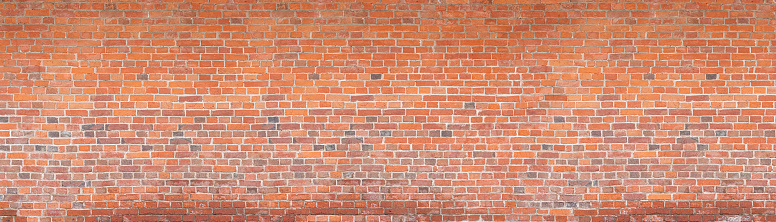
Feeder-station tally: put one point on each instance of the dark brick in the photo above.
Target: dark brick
(481, 154)
(687, 140)
(580, 183)
(273, 119)
(711, 76)
(385, 133)
(92, 127)
(75, 183)
(284, 140)
(180, 141)
(330, 147)
(269, 126)
(377, 76)
(696, 126)
(367, 147)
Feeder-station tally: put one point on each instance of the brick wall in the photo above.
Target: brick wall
(441, 110)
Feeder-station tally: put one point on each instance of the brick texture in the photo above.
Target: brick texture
(387, 110)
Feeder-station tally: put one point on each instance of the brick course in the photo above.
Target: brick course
(391, 110)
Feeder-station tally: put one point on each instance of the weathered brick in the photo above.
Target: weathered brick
(92, 127)
(516, 110)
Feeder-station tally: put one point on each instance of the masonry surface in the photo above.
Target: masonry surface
(387, 110)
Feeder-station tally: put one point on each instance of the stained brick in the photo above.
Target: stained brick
(92, 127)
(180, 141)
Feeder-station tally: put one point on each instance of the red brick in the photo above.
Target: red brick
(455, 110)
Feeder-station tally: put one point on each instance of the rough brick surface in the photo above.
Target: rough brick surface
(441, 110)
